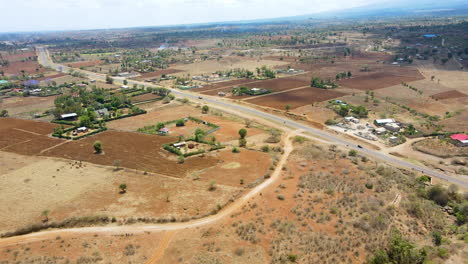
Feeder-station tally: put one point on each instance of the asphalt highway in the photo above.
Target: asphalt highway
(221, 103)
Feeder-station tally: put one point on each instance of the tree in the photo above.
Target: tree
(212, 186)
(242, 132)
(4, 113)
(180, 123)
(125, 82)
(123, 188)
(438, 194)
(97, 146)
(242, 142)
(235, 150)
(109, 80)
(437, 238)
(45, 213)
(349, 74)
(352, 153)
(287, 107)
(181, 159)
(199, 135)
(205, 109)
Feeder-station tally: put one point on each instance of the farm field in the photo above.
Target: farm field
(80, 64)
(209, 66)
(374, 81)
(163, 113)
(296, 98)
(144, 97)
(449, 95)
(158, 73)
(30, 67)
(25, 107)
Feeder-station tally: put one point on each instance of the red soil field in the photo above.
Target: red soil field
(29, 66)
(144, 97)
(224, 84)
(134, 150)
(51, 76)
(156, 73)
(380, 80)
(449, 95)
(295, 98)
(84, 63)
(25, 136)
(17, 56)
(275, 85)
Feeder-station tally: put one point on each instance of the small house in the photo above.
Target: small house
(124, 87)
(221, 94)
(382, 122)
(380, 131)
(164, 130)
(393, 139)
(69, 116)
(461, 139)
(82, 129)
(394, 127)
(351, 119)
(179, 144)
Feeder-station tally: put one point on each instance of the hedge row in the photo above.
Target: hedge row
(124, 116)
(201, 121)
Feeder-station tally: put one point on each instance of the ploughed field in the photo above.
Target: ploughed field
(384, 79)
(295, 98)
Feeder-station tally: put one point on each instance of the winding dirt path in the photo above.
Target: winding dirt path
(171, 227)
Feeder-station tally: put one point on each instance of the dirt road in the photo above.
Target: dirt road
(226, 212)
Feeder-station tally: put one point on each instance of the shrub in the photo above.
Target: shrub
(235, 150)
(369, 185)
(97, 146)
(352, 153)
(265, 148)
(181, 159)
(205, 109)
(437, 238)
(123, 188)
(438, 194)
(242, 132)
(242, 142)
(299, 139)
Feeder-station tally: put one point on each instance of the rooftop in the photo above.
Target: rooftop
(459, 137)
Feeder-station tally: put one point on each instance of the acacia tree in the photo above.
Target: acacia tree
(97, 146)
(242, 133)
(205, 109)
(123, 188)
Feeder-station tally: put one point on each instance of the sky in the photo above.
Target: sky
(44, 15)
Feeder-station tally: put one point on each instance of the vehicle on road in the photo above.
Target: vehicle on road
(359, 146)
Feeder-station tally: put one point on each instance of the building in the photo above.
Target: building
(382, 122)
(164, 130)
(124, 87)
(461, 139)
(351, 119)
(380, 131)
(393, 139)
(69, 116)
(221, 94)
(82, 129)
(3, 82)
(394, 127)
(179, 144)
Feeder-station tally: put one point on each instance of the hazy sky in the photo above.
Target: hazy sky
(33, 15)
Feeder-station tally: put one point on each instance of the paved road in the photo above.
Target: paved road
(461, 180)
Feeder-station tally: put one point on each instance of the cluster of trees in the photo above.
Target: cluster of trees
(343, 75)
(266, 72)
(399, 250)
(236, 73)
(80, 101)
(344, 110)
(319, 83)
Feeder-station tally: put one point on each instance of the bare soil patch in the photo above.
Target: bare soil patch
(449, 95)
(296, 98)
(440, 148)
(144, 97)
(84, 63)
(30, 67)
(159, 73)
(135, 150)
(379, 80)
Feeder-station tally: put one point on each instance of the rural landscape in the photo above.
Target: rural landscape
(335, 138)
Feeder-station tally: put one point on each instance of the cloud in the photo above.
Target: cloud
(89, 14)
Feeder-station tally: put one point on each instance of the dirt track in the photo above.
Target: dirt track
(226, 212)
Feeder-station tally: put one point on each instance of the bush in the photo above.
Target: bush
(352, 153)
(235, 150)
(369, 185)
(437, 238)
(265, 148)
(438, 194)
(97, 146)
(242, 142)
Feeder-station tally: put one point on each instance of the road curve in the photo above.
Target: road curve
(45, 60)
(225, 212)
